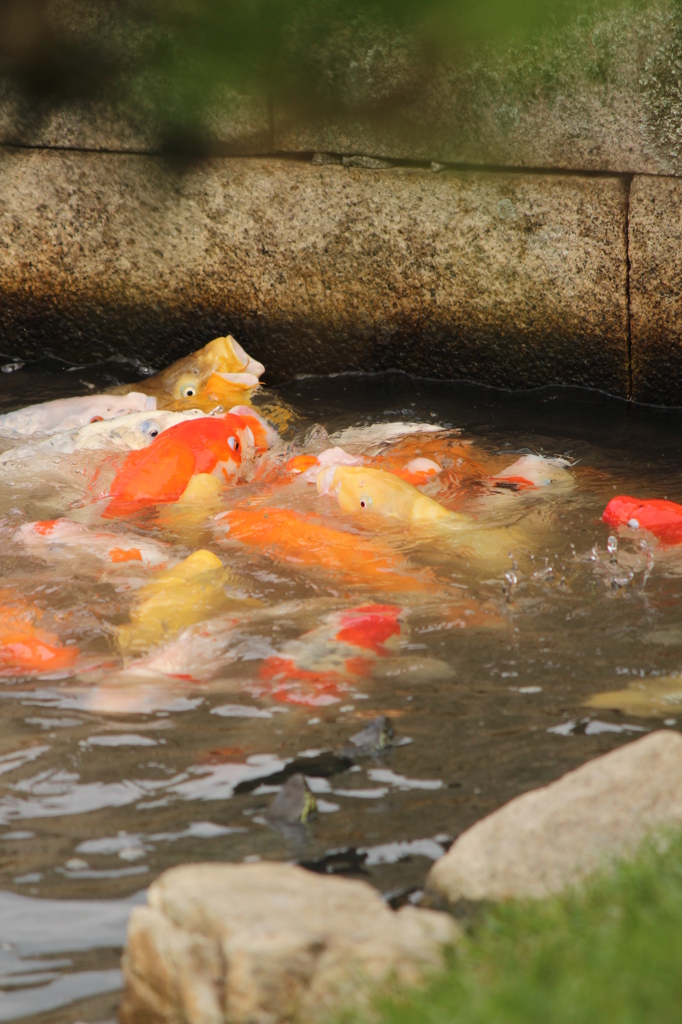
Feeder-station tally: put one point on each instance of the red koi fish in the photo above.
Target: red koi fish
(316, 669)
(657, 515)
(290, 537)
(25, 649)
(161, 472)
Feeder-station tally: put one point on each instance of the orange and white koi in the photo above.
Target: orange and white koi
(317, 668)
(533, 471)
(70, 413)
(61, 537)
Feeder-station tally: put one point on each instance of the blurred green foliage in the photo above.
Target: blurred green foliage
(175, 58)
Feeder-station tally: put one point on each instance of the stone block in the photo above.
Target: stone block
(599, 92)
(518, 280)
(551, 838)
(269, 943)
(655, 249)
(235, 125)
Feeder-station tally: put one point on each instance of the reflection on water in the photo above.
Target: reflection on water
(482, 652)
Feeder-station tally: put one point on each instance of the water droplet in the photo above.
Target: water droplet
(612, 547)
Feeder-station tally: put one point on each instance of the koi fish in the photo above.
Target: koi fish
(364, 489)
(315, 669)
(163, 471)
(197, 653)
(128, 432)
(187, 378)
(189, 592)
(655, 697)
(531, 471)
(418, 471)
(59, 537)
(298, 540)
(659, 516)
(133, 431)
(310, 466)
(26, 649)
(69, 413)
(374, 492)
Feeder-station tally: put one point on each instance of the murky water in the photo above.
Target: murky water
(106, 780)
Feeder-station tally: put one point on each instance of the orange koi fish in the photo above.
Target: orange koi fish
(316, 669)
(58, 537)
(657, 515)
(296, 539)
(212, 446)
(26, 649)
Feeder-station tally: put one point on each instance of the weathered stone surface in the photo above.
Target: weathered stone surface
(551, 838)
(601, 92)
(655, 248)
(235, 125)
(510, 279)
(264, 943)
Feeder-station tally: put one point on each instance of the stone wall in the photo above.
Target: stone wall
(403, 233)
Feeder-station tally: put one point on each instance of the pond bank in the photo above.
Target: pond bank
(514, 279)
(269, 943)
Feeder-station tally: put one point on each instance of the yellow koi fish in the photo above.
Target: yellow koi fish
(656, 697)
(233, 375)
(189, 592)
(363, 489)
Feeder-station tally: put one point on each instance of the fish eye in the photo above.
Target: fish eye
(189, 391)
(154, 432)
(365, 501)
(233, 443)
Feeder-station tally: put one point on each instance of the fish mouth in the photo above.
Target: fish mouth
(241, 381)
(230, 357)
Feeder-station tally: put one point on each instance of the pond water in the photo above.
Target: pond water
(484, 668)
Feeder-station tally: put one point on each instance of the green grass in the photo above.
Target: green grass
(610, 953)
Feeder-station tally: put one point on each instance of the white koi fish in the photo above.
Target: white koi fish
(134, 430)
(532, 471)
(51, 538)
(130, 432)
(70, 413)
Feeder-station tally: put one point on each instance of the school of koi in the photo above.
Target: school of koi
(168, 455)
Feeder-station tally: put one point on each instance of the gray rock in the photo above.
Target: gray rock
(505, 278)
(322, 159)
(294, 803)
(269, 943)
(655, 249)
(551, 838)
(374, 739)
(370, 163)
